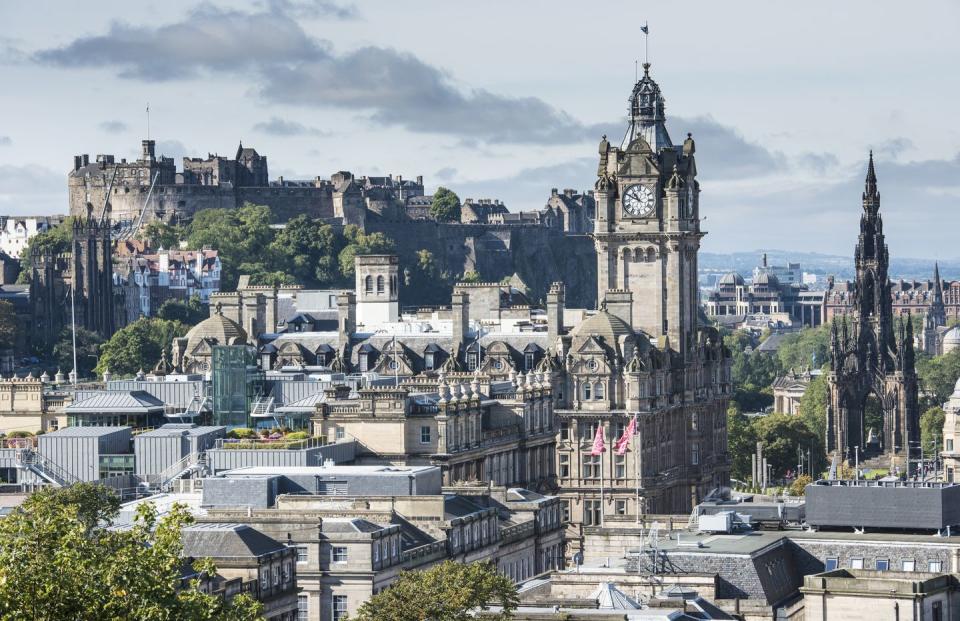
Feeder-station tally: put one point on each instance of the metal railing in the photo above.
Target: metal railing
(46, 469)
(190, 463)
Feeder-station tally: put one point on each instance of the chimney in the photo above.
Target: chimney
(85, 159)
(76, 162)
(419, 179)
(620, 303)
(460, 314)
(346, 315)
(555, 303)
(553, 192)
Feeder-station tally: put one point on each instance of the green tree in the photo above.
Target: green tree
(360, 243)
(138, 345)
(445, 206)
(931, 429)
(741, 443)
(8, 324)
(813, 405)
(88, 351)
(158, 233)
(448, 591)
(57, 561)
(241, 235)
(425, 282)
(781, 436)
(937, 375)
(471, 276)
(307, 250)
(56, 241)
(799, 485)
(190, 313)
(752, 372)
(808, 348)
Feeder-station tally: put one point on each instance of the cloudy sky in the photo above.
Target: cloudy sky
(508, 99)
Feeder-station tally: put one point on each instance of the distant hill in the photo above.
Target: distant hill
(824, 264)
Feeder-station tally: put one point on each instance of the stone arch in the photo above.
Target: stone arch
(651, 254)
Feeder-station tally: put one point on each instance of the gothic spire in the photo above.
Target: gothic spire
(937, 284)
(871, 197)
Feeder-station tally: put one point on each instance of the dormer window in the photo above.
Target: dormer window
(429, 361)
(528, 361)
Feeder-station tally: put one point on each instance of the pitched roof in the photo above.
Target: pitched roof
(227, 541)
(133, 401)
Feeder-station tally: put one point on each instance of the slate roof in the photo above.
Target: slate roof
(134, 401)
(227, 541)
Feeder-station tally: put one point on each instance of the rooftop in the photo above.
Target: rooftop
(394, 471)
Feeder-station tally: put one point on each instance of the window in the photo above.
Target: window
(565, 509)
(564, 430)
(564, 465)
(695, 454)
(393, 546)
(339, 433)
(598, 390)
(591, 512)
(620, 466)
(856, 563)
(265, 579)
(338, 554)
(425, 434)
(276, 575)
(339, 607)
(831, 564)
(301, 553)
(935, 567)
(620, 507)
(618, 429)
(528, 361)
(368, 284)
(591, 466)
(456, 538)
(376, 552)
(379, 284)
(949, 444)
(908, 565)
(883, 564)
(472, 361)
(428, 360)
(586, 391)
(303, 607)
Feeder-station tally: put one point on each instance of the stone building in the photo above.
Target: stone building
(908, 297)
(354, 542)
(788, 390)
(29, 404)
(950, 449)
(871, 357)
(99, 306)
(150, 278)
(783, 302)
(17, 231)
(575, 211)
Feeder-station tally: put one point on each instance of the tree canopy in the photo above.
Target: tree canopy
(445, 206)
(88, 351)
(57, 561)
(56, 241)
(807, 349)
(752, 373)
(188, 313)
(931, 429)
(138, 345)
(8, 324)
(445, 592)
(937, 375)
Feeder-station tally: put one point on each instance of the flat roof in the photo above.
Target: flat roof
(85, 432)
(328, 470)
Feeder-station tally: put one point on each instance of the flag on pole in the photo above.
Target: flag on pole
(598, 445)
(620, 446)
(645, 29)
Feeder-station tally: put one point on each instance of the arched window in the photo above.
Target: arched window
(651, 255)
(586, 391)
(368, 284)
(379, 284)
(598, 390)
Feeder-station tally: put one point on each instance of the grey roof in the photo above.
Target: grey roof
(177, 429)
(609, 597)
(134, 401)
(307, 404)
(84, 432)
(772, 342)
(350, 525)
(458, 506)
(227, 541)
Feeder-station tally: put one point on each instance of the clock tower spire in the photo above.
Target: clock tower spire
(647, 229)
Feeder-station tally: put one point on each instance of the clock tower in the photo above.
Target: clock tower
(647, 229)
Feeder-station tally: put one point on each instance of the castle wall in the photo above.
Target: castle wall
(537, 254)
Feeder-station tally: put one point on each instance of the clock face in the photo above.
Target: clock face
(638, 201)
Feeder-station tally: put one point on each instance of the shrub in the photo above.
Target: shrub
(297, 435)
(240, 433)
